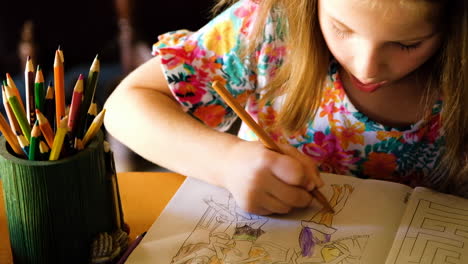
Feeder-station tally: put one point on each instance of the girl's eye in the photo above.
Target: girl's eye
(408, 47)
(340, 33)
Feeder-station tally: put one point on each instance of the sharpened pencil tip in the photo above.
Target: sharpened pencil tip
(81, 77)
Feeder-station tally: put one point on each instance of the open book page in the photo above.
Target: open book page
(202, 224)
(434, 229)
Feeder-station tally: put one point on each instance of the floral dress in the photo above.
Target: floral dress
(341, 138)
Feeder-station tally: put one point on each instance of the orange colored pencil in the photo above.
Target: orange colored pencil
(263, 136)
(46, 128)
(9, 136)
(59, 85)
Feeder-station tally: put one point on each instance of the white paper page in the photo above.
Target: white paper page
(434, 229)
(202, 224)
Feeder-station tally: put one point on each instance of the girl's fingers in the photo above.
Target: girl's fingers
(273, 205)
(290, 195)
(311, 175)
(261, 211)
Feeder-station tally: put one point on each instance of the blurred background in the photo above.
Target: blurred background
(121, 32)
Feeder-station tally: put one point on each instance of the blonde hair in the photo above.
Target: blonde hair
(303, 84)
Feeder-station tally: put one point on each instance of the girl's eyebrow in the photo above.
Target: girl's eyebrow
(415, 39)
(340, 23)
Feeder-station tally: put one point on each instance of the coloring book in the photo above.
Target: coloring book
(374, 222)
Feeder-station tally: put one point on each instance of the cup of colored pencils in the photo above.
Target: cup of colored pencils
(42, 127)
(61, 193)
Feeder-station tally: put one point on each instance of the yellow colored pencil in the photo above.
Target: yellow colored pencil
(94, 127)
(62, 130)
(24, 143)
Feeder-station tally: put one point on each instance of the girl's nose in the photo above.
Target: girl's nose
(368, 62)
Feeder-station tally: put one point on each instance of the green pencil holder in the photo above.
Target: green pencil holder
(55, 209)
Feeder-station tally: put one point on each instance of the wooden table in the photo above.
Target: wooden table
(143, 194)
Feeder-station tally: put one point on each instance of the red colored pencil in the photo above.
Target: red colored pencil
(77, 99)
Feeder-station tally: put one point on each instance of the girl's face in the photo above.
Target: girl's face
(380, 44)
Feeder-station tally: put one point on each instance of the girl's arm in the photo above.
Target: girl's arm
(142, 114)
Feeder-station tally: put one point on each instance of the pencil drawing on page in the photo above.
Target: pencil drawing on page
(225, 234)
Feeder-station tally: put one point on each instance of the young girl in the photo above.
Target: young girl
(375, 89)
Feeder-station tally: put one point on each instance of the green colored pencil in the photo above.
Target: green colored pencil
(19, 112)
(39, 90)
(34, 142)
(92, 112)
(88, 93)
(49, 105)
(44, 150)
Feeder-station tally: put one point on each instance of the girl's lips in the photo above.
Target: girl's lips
(368, 87)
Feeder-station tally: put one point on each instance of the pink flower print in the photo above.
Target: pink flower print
(246, 11)
(252, 107)
(198, 52)
(429, 131)
(343, 110)
(327, 110)
(174, 57)
(434, 127)
(191, 92)
(326, 150)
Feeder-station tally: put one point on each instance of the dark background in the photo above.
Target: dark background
(120, 31)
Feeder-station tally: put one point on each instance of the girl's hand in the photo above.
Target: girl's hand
(265, 182)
